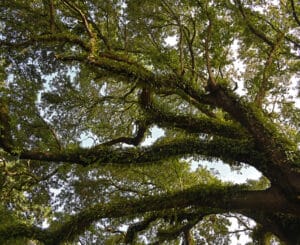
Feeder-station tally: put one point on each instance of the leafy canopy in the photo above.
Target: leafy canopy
(83, 84)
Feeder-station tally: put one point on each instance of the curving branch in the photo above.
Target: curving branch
(232, 198)
(100, 34)
(117, 65)
(230, 149)
(48, 38)
(142, 127)
(196, 125)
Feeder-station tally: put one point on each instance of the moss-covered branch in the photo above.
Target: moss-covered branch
(20, 230)
(171, 234)
(286, 227)
(48, 38)
(232, 198)
(227, 149)
(202, 125)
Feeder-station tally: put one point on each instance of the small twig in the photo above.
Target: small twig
(266, 72)
(52, 131)
(212, 83)
(87, 25)
(294, 12)
(82, 15)
(52, 16)
(256, 32)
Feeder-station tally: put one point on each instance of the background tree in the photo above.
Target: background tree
(225, 90)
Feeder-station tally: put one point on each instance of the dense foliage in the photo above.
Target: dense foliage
(83, 84)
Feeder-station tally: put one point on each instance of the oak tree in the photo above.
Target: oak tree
(83, 84)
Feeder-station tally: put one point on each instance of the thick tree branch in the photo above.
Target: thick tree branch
(228, 149)
(42, 39)
(20, 230)
(286, 227)
(226, 198)
(116, 65)
(199, 125)
(190, 124)
(267, 138)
